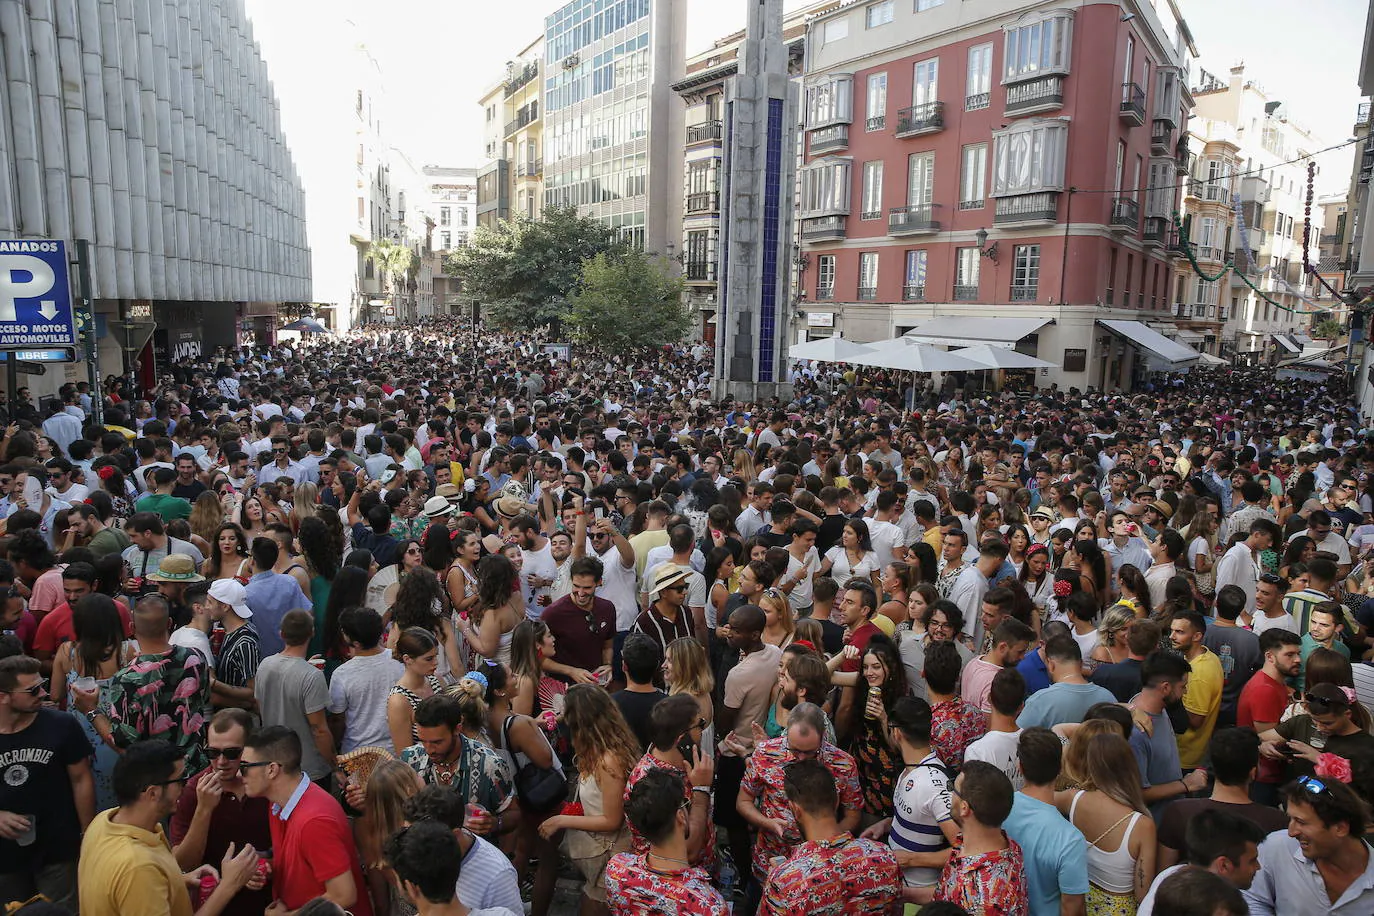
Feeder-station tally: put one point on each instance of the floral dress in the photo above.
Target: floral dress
(878, 767)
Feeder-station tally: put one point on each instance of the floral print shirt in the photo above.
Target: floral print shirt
(163, 695)
(993, 883)
(635, 889)
(763, 776)
(840, 876)
(954, 725)
(482, 776)
(638, 844)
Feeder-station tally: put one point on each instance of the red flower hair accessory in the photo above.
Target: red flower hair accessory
(1334, 767)
(1063, 588)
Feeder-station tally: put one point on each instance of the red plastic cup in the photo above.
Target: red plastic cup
(208, 883)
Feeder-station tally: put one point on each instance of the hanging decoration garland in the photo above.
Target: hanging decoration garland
(1186, 248)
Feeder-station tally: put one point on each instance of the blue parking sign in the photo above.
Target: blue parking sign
(35, 295)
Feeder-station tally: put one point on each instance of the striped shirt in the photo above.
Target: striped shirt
(237, 662)
(921, 803)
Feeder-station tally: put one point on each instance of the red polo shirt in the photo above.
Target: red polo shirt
(312, 846)
(56, 627)
(1263, 699)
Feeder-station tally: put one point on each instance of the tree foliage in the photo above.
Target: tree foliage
(394, 259)
(525, 271)
(1328, 329)
(628, 300)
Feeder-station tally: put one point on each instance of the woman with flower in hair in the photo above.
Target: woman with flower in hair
(113, 482)
(1335, 722)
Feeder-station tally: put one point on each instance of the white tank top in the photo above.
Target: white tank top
(1112, 871)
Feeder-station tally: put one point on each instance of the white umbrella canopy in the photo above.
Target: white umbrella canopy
(990, 357)
(905, 354)
(833, 349)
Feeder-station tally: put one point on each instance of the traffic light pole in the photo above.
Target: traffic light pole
(85, 317)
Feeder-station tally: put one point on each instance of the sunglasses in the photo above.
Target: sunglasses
(228, 753)
(245, 766)
(1271, 579)
(1312, 784)
(179, 780)
(37, 690)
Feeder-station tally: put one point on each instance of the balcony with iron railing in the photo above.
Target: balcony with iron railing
(531, 168)
(1045, 93)
(877, 122)
(1125, 214)
(977, 101)
(1209, 253)
(912, 220)
(1161, 136)
(823, 227)
(913, 293)
(1182, 310)
(1025, 292)
(1183, 159)
(1193, 188)
(825, 293)
(966, 292)
(1216, 192)
(526, 116)
(704, 202)
(920, 119)
(1156, 231)
(867, 293)
(1362, 116)
(1132, 104)
(711, 131)
(519, 80)
(1040, 207)
(834, 137)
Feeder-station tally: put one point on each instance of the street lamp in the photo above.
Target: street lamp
(981, 236)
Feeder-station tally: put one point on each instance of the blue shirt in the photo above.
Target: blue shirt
(270, 596)
(1289, 883)
(1033, 670)
(1061, 703)
(1054, 851)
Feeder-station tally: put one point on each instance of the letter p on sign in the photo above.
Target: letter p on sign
(23, 276)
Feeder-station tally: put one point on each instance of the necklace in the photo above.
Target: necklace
(444, 772)
(662, 858)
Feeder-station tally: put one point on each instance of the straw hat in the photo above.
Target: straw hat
(176, 567)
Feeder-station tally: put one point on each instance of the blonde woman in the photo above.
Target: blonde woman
(1111, 635)
(1110, 812)
(779, 625)
(304, 505)
(606, 752)
(686, 669)
(743, 463)
(206, 516)
(391, 784)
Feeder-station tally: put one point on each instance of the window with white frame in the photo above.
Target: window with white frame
(825, 272)
(445, 216)
(925, 82)
(868, 271)
(872, 207)
(923, 5)
(978, 88)
(1029, 157)
(445, 241)
(915, 283)
(1204, 292)
(876, 101)
(837, 29)
(1159, 200)
(920, 181)
(966, 265)
(1025, 272)
(973, 176)
(1037, 48)
(830, 101)
(1207, 232)
(879, 13)
(825, 187)
(1167, 93)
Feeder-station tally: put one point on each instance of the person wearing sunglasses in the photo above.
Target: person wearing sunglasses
(1322, 864)
(47, 792)
(1335, 723)
(126, 864)
(216, 811)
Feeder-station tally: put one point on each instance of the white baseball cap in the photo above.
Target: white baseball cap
(232, 593)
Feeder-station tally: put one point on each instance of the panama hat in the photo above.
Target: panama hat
(669, 574)
(436, 507)
(176, 567)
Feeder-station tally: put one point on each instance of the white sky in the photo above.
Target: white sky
(437, 56)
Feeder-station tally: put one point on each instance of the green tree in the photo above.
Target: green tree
(628, 300)
(524, 271)
(1328, 329)
(393, 259)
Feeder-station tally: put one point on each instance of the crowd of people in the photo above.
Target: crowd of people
(423, 620)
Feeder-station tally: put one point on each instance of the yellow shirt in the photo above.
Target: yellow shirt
(935, 538)
(125, 870)
(1202, 698)
(644, 542)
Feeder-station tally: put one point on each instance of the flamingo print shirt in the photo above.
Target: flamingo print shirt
(161, 695)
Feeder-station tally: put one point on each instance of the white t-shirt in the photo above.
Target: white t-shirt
(1147, 906)
(359, 690)
(886, 538)
(618, 587)
(192, 638)
(1284, 621)
(801, 592)
(921, 803)
(842, 572)
(537, 563)
(999, 749)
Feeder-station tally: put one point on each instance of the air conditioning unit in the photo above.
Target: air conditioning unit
(572, 60)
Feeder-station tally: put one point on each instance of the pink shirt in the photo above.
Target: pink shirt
(47, 591)
(976, 684)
